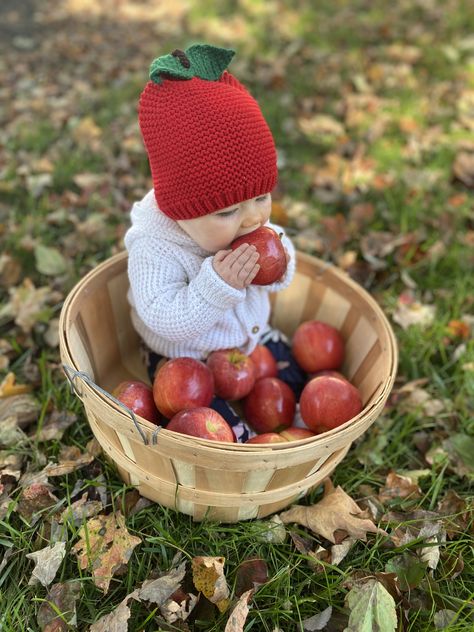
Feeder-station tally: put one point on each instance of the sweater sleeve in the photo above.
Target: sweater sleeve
(291, 268)
(170, 304)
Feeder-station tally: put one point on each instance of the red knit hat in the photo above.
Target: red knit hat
(207, 141)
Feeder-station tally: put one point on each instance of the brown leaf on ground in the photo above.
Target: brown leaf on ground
(399, 486)
(115, 621)
(456, 513)
(463, 168)
(55, 425)
(209, 578)
(24, 407)
(250, 574)
(34, 499)
(335, 511)
(70, 459)
(239, 614)
(61, 598)
(81, 509)
(104, 545)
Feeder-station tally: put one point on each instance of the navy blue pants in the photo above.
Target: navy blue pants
(288, 371)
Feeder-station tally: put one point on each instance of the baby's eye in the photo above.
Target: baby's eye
(262, 198)
(227, 213)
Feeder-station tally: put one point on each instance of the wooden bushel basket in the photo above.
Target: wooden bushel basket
(209, 479)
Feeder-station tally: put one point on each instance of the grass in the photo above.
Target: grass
(353, 37)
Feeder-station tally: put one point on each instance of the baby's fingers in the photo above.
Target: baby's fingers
(251, 275)
(221, 255)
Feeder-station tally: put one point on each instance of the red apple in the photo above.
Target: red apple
(289, 434)
(182, 383)
(267, 437)
(293, 433)
(264, 361)
(202, 422)
(317, 346)
(270, 405)
(233, 371)
(272, 260)
(138, 396)
(330, 373)
(327, 402)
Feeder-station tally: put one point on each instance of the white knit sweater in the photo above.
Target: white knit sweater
(180, 304)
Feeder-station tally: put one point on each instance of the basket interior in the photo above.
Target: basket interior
(102, 341)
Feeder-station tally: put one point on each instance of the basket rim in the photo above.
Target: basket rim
(264, 448)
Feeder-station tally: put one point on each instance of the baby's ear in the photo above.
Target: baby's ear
(226, 77)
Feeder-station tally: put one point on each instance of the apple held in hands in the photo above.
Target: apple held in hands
(317, 346)
(182, 383)
(327, 402)
(264, 361)
(233, 371)
(202, 422)
(270, 405)
(138, 396)
(272, 259)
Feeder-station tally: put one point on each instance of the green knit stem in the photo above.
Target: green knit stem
(206, 62)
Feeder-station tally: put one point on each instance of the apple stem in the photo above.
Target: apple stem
(280, 235)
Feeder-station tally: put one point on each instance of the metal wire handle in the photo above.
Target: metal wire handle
(72, 374)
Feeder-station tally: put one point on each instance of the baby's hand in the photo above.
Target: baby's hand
(237, 267)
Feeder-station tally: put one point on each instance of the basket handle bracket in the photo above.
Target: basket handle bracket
(73, 374)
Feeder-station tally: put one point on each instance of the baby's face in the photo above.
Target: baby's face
(216, 231)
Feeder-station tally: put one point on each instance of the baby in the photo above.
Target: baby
(213, 164)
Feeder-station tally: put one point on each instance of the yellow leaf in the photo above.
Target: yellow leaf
(8, 387)
(209, 578)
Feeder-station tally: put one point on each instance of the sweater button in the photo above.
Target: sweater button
(255, 329)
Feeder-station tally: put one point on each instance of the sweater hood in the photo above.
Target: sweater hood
(147, 219)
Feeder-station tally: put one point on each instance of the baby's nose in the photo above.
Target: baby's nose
(252, 216)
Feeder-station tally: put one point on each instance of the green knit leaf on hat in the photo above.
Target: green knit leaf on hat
(199, 60)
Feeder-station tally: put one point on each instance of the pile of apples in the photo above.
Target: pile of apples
(183, 389)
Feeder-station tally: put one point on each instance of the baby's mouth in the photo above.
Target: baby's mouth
(248, 230)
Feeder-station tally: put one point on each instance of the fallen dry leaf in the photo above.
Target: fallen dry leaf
(35, 498)
(70, 459)
(81, 509)
(209, 578)
(27, 303)
(398, 486)
(160, 590)
(179, 606)
(9, 387)
(61, 598)
(104, 545)
(463, 168)
(250, 574)
(335, 511)
(115, 621)
(456, 513)
(239, 614)
(156, 591)
(47, 561)
(24, 408)
(410, 312)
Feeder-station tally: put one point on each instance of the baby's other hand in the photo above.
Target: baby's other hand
(237, 267)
